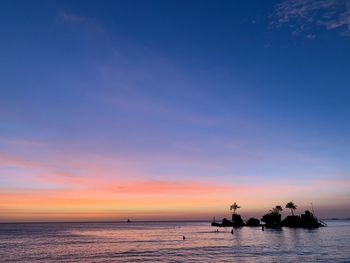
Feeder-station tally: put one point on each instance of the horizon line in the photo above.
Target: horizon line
(135, 221)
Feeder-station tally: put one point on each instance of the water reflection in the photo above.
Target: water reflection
(150, 242)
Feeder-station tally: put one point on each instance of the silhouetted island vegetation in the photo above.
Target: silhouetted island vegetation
(273, 219)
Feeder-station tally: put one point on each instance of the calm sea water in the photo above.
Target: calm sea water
(162, 242)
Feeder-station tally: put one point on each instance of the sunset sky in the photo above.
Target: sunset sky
(159, 110)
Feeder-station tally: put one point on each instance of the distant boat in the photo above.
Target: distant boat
(128, 221)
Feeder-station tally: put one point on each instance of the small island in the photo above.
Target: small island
(273, 219)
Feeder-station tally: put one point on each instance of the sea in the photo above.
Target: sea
(164, 242)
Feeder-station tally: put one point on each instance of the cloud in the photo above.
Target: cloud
(14, 160)
(71, 18)
(88, 23)
(21, 142)
(153, 187)
(302, 15)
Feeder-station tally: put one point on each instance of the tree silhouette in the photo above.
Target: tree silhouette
(277, 209)
(291, 206)
(273, 218)
(234, 207)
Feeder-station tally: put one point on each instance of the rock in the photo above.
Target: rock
(253, 222)
(291, 221)
(226, 222)
(272, 219)
(309, 220)
(237, 220)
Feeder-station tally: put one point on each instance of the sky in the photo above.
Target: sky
(161, 110)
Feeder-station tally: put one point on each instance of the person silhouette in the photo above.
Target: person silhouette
(232, 231)
(183, 237)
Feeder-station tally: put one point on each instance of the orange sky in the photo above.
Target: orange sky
(51, 195)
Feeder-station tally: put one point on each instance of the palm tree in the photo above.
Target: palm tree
(277, 209)
(291, 206)
(234, 207)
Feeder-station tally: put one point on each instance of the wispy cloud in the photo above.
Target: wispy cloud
(302, 15)
(21, 142)
(13, 160)
(106, 186)
(71, 18)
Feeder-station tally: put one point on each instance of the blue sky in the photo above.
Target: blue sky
(245, 94)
